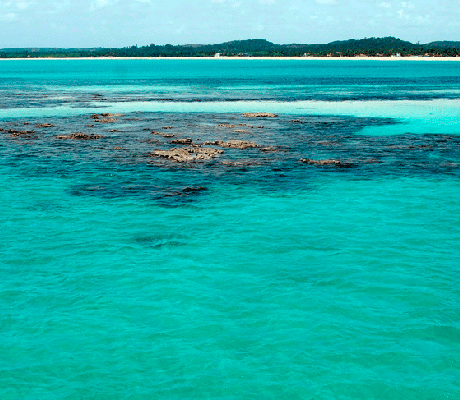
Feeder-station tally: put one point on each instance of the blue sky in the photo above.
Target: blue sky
(119, 23)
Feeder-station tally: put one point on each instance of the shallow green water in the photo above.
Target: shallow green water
(280, 281)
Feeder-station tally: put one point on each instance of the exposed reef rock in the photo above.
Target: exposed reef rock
(165, 135)
(331, 162)
(80, 136)
(260, 115)
(181, 141)
(15, 133)
(233, 144)
(227, 126)
(44, 125)
(168, 127)
(107, 118)
(184, 154)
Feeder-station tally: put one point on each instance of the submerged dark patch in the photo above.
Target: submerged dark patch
(280, 153)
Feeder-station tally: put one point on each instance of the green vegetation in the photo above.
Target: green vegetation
(373, 47)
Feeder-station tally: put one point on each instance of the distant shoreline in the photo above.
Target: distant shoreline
(245, 58)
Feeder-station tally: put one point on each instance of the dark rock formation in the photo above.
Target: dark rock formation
(184, 154)
(182, 141)
(330, 162)
(16, 133)
(109, 115)
(260, 115)
(107, 118)
(44, 125)
(80, 136)
(233, 144)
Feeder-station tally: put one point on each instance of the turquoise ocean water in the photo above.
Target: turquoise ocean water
(277, 279)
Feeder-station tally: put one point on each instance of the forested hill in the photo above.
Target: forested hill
(445, 45)
(387, 44)
(378, 47)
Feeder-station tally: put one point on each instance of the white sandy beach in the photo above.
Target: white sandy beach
(248, 58)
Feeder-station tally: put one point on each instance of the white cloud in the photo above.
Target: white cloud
(408, 5)
(8, 17)
(267, 1)
(385, 5)
(97, 4)
(326, 1)
(23, 4)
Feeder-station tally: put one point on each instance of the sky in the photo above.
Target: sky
(121, 23)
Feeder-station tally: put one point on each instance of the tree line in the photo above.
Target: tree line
(371, 47)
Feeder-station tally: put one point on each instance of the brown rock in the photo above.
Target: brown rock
(44, 125)
(107, 115)
(226, 126)
(181, 141)
(80, 136)
(15, 133)
(234, 144)
(168, 127)
(184, 154)
(213, 142)
(240, 144)
(260, 115)
(332, 162)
